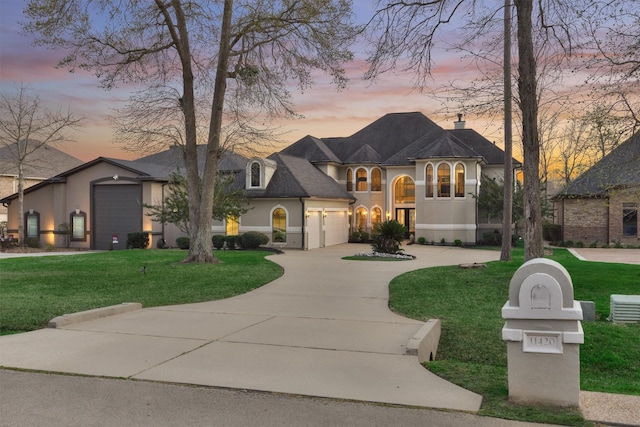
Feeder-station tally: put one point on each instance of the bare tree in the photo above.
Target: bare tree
(251, 48)
(507, 216)
(408, 31)
(27, 126)
(573, 150)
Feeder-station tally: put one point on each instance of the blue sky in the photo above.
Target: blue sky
(325, 111)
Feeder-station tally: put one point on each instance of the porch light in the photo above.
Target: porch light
(324, 213)
(388, 215)
(77, 211)
(307, 213)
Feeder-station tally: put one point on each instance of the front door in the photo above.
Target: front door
(407, 217)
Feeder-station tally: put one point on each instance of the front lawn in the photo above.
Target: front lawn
(33, 290)
(472, 353)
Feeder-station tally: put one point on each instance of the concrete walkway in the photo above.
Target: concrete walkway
(322, 329)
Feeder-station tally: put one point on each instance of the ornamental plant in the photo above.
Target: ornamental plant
(388, 237)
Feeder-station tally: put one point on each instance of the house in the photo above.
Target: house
(314, 193)
(43, 163)
(601, 205)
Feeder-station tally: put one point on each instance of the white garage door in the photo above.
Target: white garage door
(313, 230)
(335, 228)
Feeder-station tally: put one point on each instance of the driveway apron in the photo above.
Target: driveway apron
(322, 329)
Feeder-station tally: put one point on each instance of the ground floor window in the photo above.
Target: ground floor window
(32, 224)
(629, 219)
(232, 225)
(361, 219)
(279, 226)
(78, 225)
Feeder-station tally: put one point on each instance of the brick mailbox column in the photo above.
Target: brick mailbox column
(543, 333)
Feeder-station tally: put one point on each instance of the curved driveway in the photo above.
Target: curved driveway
(322, 329)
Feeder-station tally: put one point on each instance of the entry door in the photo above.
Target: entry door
(407, 217)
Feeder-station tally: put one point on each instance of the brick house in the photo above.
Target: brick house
(601, 205)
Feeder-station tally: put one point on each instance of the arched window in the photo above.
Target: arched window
(428, 181)
(255, 174)
(361, 179)
(444, 180)
(78, 226)
(376, 180)
(349, 179)
(361, 219)
(405, 190)
(232, 226)
(376, 216)
(459, 180)
(279, 226)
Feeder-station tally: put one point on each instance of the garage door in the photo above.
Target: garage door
(313, 230)
(116, 212)
(335, 228)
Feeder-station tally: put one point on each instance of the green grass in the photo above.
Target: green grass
(471, 352)
(33, 290)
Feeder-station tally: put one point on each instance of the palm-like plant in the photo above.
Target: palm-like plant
(388, 237)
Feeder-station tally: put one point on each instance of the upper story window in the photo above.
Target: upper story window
(405, 190)
(349, 179)
(459, 180)
(255, 174)
(376, 180)
(361, 179)
(428, 181)
(78, 225)
(32, 224)
(444, 180)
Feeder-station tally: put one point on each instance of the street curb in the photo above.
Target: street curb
(96, 313)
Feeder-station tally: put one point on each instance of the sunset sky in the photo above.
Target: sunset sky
(326, 112)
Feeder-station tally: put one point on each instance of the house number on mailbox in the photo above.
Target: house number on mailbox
(536, 342)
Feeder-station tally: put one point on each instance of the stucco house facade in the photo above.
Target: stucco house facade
(314, 193)
(601, 205)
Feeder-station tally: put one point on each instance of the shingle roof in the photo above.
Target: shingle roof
(618, 169)
(296, 177)
(45, 162)
(491, 154)
(173, 159)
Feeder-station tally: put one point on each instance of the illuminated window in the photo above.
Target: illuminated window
(405, 190)
(428, 181)
(79, 226)
(376, 216)
(444, 180)
(349, 179)
(361, 180)
(459, 180)
(279, 226)
(232, 225)
(376, 180)
(361, 219)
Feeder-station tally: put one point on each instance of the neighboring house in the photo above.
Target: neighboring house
(601, 205)
(314, 193)
(44, 163)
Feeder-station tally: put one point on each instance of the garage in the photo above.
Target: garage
(335, 226)
(314, 228)
(116, 212)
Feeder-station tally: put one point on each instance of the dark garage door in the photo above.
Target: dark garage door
(116, 212)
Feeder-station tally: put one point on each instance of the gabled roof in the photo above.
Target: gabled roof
(297, 177)
(618, 169)
(173, 159)
(44, 162)
(366, 154)
(444, 146)
(312, 149)
(491, 154)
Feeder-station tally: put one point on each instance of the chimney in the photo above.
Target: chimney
(460, 123)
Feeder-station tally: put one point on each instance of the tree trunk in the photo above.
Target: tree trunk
(21, 232)
(531, 146)
(507, 212)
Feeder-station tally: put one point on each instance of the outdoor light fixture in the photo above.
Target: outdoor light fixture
(324, 213)
(77, 211)
(307, 213)
(115, 177)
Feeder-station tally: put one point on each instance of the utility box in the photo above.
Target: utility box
(543, 331)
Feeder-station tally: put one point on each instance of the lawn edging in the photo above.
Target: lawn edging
(96, 313)
(424, 343)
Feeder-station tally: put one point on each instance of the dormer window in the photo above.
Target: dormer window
(255, 174)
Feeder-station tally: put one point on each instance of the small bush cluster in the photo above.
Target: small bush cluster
(183, 242)
(218, 241)
(137, 240)
(253, 240)
(32, 242)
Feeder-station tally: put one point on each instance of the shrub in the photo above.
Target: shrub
(137, 240)
(32, 242)
(594, 244)
(355, 236)
(218, 241)
(458, 242)
(579, 245)
(364, 236)
(230, 241)
(551, 232)
(422, 240)
(389, 235)
(253, 239)
(443, 241)
(183, 242)
(279, 236)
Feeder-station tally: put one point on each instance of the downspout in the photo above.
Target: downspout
(304, 226)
